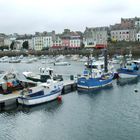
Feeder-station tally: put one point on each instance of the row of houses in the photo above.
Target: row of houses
(44, 40)
(127, 30)
(67, 39)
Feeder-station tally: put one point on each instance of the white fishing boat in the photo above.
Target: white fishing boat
(14, 60)
(74, 57)
(62, 63)
(83, 59)
(59, 58)
(42, 93)
(43, 75)
(4, 59)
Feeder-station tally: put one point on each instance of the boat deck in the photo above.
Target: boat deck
(69, 85)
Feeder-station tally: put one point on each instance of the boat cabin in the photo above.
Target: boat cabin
(46, 71)
(132, 65)
(95, 65)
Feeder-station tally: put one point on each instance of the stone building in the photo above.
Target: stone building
(96, 36)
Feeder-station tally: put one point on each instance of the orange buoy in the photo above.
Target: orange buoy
(59, 98)
(9, 84)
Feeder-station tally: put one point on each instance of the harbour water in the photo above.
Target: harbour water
(107, 114)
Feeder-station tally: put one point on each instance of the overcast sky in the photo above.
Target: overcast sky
(29, 16)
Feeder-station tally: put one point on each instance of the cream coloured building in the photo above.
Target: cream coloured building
(38, 43)
(43, 40)
(123, 35)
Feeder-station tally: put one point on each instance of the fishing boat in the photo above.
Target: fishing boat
(61, 63)
(11, 81)
(42, 93)
(43, 75)
(131, 69)
(99, 64)
(89, 82)
(4, 59)
(98, 68)
(95, 77)
(14, 60)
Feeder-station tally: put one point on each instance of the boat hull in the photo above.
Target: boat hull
(126, 73)
(39, 99)
(93, 83)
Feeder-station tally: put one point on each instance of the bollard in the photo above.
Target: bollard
(71, 77)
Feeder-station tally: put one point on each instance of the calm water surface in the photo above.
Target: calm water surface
(106, 114)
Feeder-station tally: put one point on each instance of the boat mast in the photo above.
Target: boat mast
(90, 66)
(105, 61)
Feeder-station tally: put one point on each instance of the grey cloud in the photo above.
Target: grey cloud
(30, 15)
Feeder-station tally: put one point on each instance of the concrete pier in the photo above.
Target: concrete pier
(69, 86)
(7, 100)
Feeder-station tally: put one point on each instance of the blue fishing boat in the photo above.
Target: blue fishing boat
(131, 69)
(98, 78)
(88, 82)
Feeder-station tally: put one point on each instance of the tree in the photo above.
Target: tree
(109, 40)
(25, 45)
(45, 49)
(82, 45)
(4, 47)
(12, 45)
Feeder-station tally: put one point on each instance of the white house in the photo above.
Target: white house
(75, 42)
(47, 41)
(138, 36)
(7, 42)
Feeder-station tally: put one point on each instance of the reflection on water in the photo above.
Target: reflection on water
(25, 122)
(111, 113)
(48, 107)
(128, 81)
